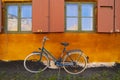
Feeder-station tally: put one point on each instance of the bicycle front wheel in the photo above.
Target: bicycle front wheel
(35, 62)
(74, 62)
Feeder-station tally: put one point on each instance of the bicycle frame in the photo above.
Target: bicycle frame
(48, 54)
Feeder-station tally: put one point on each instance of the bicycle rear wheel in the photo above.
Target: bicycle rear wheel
(74, 62)
(35, 62)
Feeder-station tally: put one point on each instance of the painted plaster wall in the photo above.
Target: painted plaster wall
(99, 47)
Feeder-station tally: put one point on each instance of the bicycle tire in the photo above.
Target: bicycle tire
(75, 62)
(33, 64)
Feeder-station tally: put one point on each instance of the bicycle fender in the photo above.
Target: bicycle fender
(35, 52)
(69, 51)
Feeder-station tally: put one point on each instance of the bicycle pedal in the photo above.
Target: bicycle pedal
(52, 65)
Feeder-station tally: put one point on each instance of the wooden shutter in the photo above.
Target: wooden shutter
(117, 15)
(40, 15)
(0, 16)
(105, 15)
(56, 15)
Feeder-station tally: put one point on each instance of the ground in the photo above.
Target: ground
(14, 70)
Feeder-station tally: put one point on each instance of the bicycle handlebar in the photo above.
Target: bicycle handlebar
(44, 40)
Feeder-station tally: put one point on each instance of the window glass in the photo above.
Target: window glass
(79, 17)
(26, 18)
(72, 24)
(19, 17)
(87, 10)
(72, 10)
(26, 11)
(87, 24)
(12, 18)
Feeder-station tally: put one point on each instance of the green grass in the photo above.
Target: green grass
(104, 75)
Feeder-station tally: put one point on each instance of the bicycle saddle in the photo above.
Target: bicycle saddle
(64, 43)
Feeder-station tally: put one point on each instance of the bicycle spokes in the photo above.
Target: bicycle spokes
(75, 62)
(33, 63)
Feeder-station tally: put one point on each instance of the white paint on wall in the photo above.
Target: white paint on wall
(89, 65)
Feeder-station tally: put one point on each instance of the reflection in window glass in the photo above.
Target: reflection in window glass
(87, 24)
(12, 11)
(79, 16)
(12, 18)
(26, 18)
(26, 24)
(87, 10)
(19, 17)
(72, 24)
(26, 11)
(72, 10)
(87, 17)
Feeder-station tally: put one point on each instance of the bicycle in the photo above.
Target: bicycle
(74, 61)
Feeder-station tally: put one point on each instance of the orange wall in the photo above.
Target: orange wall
(99, 47)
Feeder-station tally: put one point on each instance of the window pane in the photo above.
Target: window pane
(26, 24)
(72, 10)
(26, 11)
(87, 10)
(12, 11)
(72, 24)
(26, 21)
(87, 24)
(12, 18)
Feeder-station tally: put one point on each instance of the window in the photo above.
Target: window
(72, 17)
(19, 17)
(12, 18)
(80, 17)
(26, 19)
